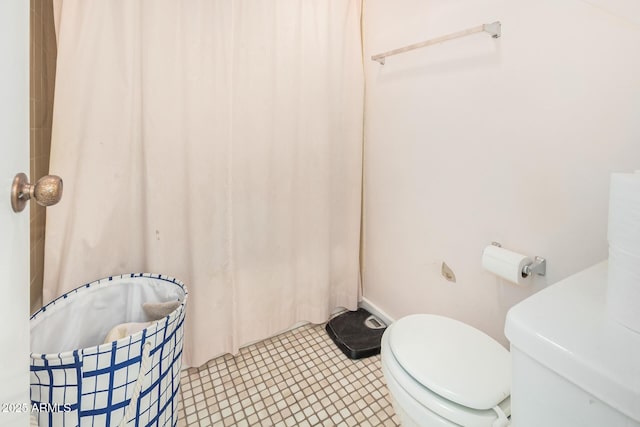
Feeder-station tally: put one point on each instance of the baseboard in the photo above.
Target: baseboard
(375, 310)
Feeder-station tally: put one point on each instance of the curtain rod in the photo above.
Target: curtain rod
(493, 29)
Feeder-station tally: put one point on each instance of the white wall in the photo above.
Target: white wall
(479, 140)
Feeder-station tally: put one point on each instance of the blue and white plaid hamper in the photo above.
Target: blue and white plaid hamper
(94, 386)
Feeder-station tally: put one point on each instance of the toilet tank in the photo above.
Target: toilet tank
(572, 366)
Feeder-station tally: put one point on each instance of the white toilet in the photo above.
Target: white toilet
(442, 372)
(572, 365)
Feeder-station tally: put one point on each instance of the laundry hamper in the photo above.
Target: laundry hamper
(77, 379)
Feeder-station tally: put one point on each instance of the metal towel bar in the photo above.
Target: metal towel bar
(493, 29)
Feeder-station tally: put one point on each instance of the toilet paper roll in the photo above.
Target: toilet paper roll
(505, 263)
(624, 212)
(623, 288)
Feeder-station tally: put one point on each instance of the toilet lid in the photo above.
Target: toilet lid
(452, 359)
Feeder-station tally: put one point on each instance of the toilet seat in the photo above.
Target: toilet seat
(413, 335)
(452, 359)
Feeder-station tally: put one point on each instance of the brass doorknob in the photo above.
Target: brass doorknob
(46, 192)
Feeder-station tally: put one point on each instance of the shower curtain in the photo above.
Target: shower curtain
(217, 141)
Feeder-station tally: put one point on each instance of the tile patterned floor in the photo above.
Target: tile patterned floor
(299, 378)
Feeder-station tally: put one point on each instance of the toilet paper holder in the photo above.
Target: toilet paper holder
(538, 266)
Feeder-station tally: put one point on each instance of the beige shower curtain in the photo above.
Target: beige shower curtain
(217, 141)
